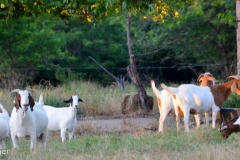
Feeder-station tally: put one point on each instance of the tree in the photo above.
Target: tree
(201, 38)
(238, 35)
(21, 51)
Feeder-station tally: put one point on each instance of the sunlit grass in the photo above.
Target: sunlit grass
(98, 100)
(202, 143)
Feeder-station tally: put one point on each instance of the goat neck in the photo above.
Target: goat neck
(221, 92)
(23, 116)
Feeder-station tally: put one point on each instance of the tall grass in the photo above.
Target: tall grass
(98, 100)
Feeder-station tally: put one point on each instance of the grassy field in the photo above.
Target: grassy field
(203, 143)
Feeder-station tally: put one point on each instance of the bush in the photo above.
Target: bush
(232, 101)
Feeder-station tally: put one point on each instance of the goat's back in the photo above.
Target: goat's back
(166, 98)
(4, 126)
(195, 97)
(56, 116)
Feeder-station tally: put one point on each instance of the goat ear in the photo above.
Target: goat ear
(16, 102)
(31, 102)
(66, 101)
(80, 100)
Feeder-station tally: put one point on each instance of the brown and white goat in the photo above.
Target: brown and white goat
(198, 100)
(231, 126)
(206, 79)
(28, 123)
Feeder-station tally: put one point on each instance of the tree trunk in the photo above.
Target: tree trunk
(238, 35)
(132, 71)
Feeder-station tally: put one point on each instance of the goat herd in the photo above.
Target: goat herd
(191, 99)
(32, 119)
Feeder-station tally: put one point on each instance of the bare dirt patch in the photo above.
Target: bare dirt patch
(122, 124)
(113, 123)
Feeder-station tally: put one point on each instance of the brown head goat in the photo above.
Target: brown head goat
(231, 126)
(206, 79)
(28, 123)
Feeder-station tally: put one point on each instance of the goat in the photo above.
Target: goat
(206, 79)
(4, 125)
(231, 126)
(63, 119)
(28, 123)
(195, 99)
(165, 102)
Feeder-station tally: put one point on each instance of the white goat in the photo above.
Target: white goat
(195, 99)
(63, 119)
(28, 123)
(165, 102)
(4, 127)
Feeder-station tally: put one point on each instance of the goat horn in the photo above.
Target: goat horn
(204, 74)
(235, 77)
(214, 80)
(208, 74)
(15, 90)
(201, 75)
(29, 89)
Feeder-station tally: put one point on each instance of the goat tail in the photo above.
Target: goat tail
(3, 109)
(168, 89)
(155, 90)
(40, 101)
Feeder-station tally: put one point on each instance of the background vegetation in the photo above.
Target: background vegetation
(172, 41)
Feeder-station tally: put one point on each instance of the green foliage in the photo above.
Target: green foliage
(66, 75)
(232, 101)
(202, 33)
(26, 45)
(87, 10)
(196, 40)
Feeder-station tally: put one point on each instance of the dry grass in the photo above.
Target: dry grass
(98, 100)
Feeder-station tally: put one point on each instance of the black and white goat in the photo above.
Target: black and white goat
(63, 119)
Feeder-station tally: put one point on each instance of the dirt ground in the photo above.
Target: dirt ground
(113, 123)
(122, 124)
